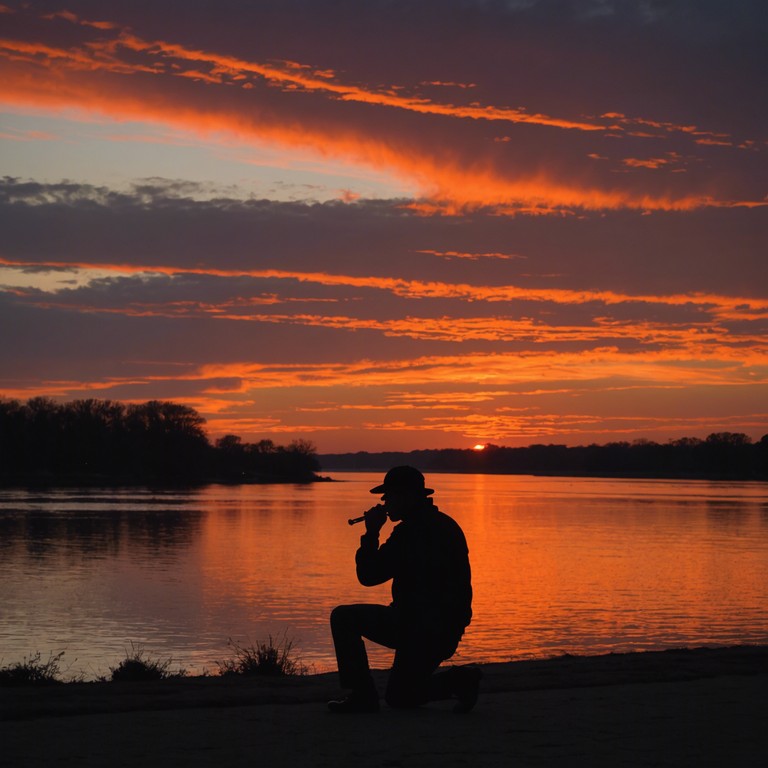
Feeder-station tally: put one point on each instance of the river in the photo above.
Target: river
(560, 565)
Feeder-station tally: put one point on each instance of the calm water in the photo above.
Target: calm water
(559, 565)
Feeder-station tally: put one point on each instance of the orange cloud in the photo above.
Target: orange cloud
(46, 76)
(695, 338)
(662, 367)
(732, 307)
(658, 368)
(664, 126)
(449, 84)
(29, 136)
(565, 426)
(670, 158)
(104, 54)
(503, 396)
(471, 256)
(714, 142)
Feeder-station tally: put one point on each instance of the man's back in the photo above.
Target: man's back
(428, 561)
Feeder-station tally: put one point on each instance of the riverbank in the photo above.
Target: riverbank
(722, 456)
(51, 482)
(674, 708)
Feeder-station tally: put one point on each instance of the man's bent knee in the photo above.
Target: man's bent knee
(339, 614)
(345, 617)
(344, 611)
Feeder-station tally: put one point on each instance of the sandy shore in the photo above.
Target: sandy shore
(703, 707)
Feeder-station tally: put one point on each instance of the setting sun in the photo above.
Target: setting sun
(478, 447)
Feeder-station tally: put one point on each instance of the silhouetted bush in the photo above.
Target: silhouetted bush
(270, 659)
(136, 667)
(32, 671)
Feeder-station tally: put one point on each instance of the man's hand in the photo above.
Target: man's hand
(375, 518)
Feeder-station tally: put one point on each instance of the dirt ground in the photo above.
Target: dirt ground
(704, 707)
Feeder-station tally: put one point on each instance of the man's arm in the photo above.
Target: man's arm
(373, 561)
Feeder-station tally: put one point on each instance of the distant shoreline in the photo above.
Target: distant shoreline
(595, 475)
(169, 484)
(107, 481)
(721, 456)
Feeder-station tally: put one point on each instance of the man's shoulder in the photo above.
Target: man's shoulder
(447, 523)
(443, 517)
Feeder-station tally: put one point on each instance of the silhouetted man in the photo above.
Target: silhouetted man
(427, 559)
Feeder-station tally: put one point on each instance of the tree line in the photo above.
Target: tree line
(161, 442)
(722, 455)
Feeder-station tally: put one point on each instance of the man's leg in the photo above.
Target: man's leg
(462, 683)
(421, 647)
(349, 625)
(412, 682)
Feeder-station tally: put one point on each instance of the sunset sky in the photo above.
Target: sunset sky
(389, 225)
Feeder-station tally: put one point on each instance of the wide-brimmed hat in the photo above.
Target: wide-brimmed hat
(404, 480)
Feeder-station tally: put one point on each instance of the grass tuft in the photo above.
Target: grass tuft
(270, 659)
(32, 671)
(137, 667)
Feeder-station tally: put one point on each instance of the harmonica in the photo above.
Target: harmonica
(356, 520)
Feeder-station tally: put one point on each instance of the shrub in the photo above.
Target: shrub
(32, 671)
(270, 659)
(137, 667)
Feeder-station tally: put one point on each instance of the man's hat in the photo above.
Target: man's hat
(403, 479)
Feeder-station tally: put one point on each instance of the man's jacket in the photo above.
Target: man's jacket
(427, 559)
